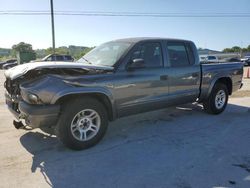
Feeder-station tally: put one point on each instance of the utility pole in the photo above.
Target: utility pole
(52, 25)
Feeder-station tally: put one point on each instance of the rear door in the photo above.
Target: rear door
(184, 77)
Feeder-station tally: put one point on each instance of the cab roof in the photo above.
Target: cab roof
(142, 39)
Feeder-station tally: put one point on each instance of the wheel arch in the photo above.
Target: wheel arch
(227, 81)
(101, 97)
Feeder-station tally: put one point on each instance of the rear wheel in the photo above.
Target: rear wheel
(217, 101)
(82, 123)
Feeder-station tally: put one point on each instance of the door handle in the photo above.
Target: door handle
(163, 77)
(195, 75)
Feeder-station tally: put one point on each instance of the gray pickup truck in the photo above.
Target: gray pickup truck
(116, 79)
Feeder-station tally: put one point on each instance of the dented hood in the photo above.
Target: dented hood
(21, 70)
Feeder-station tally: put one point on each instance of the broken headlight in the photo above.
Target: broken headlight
(31, 98)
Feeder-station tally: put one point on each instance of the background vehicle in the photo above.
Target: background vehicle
(10, 65)
(58, 57)
(246, 60)
(9, 61)
(209, 59)
(212, 58)
(233, 59)
(116, 79)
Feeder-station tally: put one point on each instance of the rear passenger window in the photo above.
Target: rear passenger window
(178, 56)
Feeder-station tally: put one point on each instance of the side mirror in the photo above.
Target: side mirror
(136, 64)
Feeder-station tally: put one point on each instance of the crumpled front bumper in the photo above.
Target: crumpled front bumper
(34, 115)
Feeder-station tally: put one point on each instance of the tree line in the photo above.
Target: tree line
(75, 51)
(237, 49)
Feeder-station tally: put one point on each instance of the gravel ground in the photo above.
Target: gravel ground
(179, 147)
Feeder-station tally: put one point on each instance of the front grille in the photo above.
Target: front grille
(11, 87)
(7, 85)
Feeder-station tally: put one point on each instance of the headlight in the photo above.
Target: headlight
(34, 99)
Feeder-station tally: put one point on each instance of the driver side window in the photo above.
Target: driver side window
(150, 52)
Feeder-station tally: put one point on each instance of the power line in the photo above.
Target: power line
(123, 14)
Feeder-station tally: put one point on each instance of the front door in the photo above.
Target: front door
(143, 88)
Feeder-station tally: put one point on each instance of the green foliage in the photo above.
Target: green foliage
(4, 58)
(245, 50)
(248, 48)
(22, 47)
(75, 51)
(60, 50)
(236, 49)
(227, 50)
(82, 53)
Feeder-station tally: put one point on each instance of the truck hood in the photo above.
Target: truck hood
(21, 70)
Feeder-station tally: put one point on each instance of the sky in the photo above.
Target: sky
(208, 32)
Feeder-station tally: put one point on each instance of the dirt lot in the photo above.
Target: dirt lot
(176, 147)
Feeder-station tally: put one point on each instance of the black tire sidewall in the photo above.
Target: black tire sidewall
(69, 111)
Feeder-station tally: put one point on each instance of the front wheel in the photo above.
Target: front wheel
(82, 123)
(217, 101)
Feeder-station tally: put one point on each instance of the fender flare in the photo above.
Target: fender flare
(214, 82)
(81, 91)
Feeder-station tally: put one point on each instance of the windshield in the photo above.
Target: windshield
(45, 58)
(106, 54)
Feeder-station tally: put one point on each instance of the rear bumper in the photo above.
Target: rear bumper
(34, 115)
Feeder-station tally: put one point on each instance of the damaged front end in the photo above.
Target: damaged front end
(27, 107)
(12, 96)
(30, 89)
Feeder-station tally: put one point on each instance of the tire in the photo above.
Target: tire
(77, 127)
(216, 104)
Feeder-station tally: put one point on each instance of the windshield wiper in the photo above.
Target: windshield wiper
(87, 60)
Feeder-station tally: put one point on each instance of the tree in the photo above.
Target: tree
(22, 47)
(60, 50)
(83, 52)
(248, 48)
(244, 50)
(227, 50)
(236, 49)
